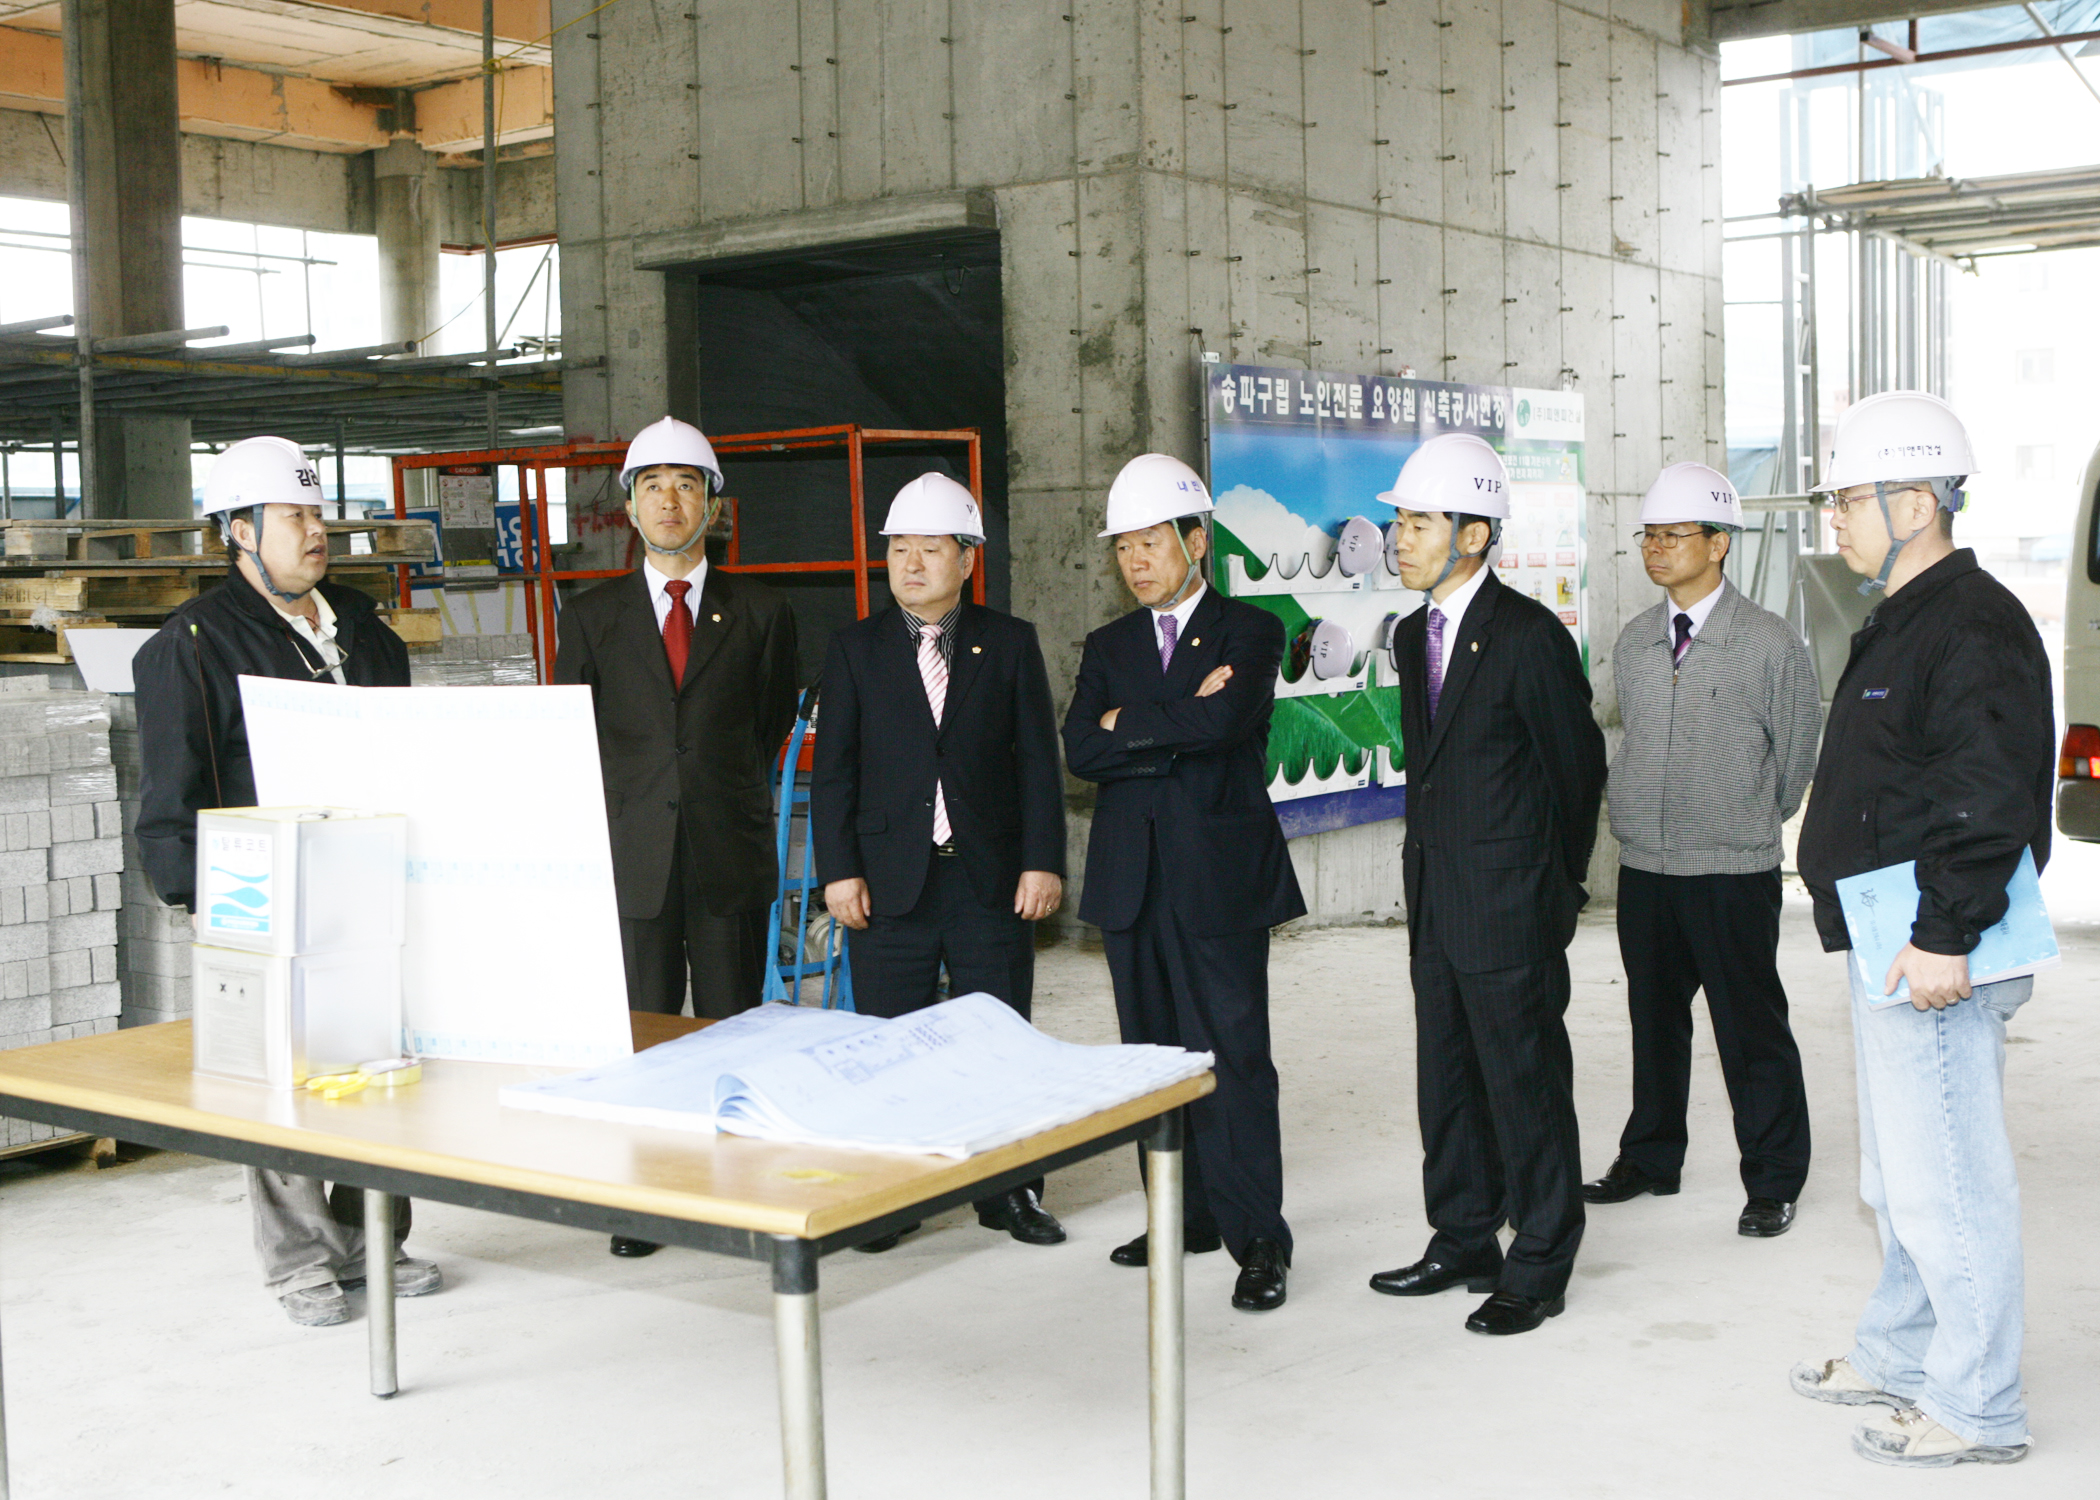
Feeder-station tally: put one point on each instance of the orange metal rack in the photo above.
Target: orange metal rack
(533, 463)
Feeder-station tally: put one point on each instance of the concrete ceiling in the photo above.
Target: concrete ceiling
(282, 70)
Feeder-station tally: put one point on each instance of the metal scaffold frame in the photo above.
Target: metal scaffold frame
(542, 580)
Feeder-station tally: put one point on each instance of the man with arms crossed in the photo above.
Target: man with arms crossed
(274, 616)
(937, 808)
(1186, 867)
(1939, 750)
(692, 672)
(1505, 766)
(1719, 701)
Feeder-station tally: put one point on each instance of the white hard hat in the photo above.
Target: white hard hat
(671, 441)
(1456, 473)
(261, 471)
(1152, 488)
(934, 505)
(1898, 435)
(1692, 492)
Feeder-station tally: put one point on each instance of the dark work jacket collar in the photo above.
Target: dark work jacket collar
(352, 612)
(1900, 608)
(1473, 633)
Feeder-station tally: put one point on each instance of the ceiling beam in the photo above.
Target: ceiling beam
(1741, 20)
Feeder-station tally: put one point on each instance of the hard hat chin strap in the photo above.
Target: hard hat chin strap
(255, 519)
(697, 539)
(1451, 563)
(1190, 581)
(1880, 580)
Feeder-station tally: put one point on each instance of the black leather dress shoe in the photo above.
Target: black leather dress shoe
(1506, 1312)
(633, 1249)
(1426, 1277)
(883, 1242)
(1625, 1180)
(1021, 1216)
(1262, 1276)
(1193, 1242)
(1765, 1218)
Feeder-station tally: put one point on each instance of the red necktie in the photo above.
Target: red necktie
(678, 630)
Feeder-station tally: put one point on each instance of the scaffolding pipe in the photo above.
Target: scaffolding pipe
(74, 30)
(488, 196)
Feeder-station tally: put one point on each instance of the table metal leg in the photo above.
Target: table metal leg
(379, 1290)
(1163, 1242)
(4, 1487)
(799, 1357)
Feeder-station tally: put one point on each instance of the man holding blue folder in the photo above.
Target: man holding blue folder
(1939, 750)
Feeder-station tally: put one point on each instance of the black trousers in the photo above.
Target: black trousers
(724, 957)
(1210, 994)
(1494, 1090)
(897, 961)
(1682, 933)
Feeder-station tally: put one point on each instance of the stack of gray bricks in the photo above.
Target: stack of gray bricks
(61, 858)
(153, 938)
(476, 661)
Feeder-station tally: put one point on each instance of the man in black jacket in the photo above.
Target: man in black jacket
(1186, 866)
(692, 678)
(274, 616)
(937, 805)
(1505, 772)
(1939, 751)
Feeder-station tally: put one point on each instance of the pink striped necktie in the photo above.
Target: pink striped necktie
(933, 671)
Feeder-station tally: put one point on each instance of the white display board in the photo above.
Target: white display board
(513, 933)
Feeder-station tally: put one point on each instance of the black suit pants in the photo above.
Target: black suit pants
(1679, 934)
(897, 961)
(724, 957)
(1210, 994)
(1494, 1089)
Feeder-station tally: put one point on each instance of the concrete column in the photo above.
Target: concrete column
(406, 214)
(128, 215)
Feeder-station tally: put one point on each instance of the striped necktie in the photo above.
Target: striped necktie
(933, 671)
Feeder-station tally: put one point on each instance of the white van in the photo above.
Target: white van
(2078, 764)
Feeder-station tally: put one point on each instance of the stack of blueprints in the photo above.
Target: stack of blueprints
(1880, 906)
(955, 1079)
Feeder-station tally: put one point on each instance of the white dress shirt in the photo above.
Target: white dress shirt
(1453, 609)
(1181, 613)
(1698, 612)
(319, 633)
(662, 601)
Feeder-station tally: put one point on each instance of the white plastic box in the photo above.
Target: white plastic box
(300, 880)
(280, 1020)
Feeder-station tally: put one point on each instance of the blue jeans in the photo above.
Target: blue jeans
(1944, 1325)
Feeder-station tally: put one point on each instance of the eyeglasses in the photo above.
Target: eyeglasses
(1648, 536)
(1843, 505)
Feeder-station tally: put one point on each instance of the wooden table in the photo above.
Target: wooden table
(447, 1140)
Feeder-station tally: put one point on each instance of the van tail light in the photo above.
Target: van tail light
(2080, 758)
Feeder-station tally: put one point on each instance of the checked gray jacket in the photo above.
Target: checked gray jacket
(1718, 753)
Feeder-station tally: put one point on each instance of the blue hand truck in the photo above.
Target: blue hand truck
(800, 892)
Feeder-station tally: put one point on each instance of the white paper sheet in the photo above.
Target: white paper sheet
(513, 936)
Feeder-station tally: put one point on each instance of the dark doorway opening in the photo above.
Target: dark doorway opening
(891, 334)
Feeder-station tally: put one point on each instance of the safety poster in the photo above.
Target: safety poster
(1298, 459)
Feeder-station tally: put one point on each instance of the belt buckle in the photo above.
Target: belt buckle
(945, 851)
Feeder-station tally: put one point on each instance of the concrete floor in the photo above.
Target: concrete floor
(142, 1358)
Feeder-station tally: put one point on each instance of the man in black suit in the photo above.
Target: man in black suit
(937, 803)
(1505, 770)
(1186, 868)
(692, 672)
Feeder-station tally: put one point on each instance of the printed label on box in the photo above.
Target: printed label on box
(238, 888)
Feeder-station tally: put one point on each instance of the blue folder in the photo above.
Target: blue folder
(1881, 905)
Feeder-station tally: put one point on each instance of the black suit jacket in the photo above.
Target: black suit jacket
(701, 752)
(1503, 789)
(1188, 771)
(878, 755)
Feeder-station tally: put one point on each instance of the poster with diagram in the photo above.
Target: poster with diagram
(1298, 459)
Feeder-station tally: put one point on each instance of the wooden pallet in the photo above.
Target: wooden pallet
(158, 546)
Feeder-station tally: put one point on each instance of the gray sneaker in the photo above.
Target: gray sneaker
(1835, 1380)
(320, 1306)
(1908, 1439)
(412, 1278)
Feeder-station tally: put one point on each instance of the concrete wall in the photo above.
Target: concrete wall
(1515, 191)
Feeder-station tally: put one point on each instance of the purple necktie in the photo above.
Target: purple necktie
(1169, 632)
(1436, 658)
(1684, 638)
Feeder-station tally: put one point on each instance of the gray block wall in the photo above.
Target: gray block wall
(1507, 191)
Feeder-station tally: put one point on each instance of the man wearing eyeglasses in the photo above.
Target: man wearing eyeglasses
(1720, 705)
(276, 615)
